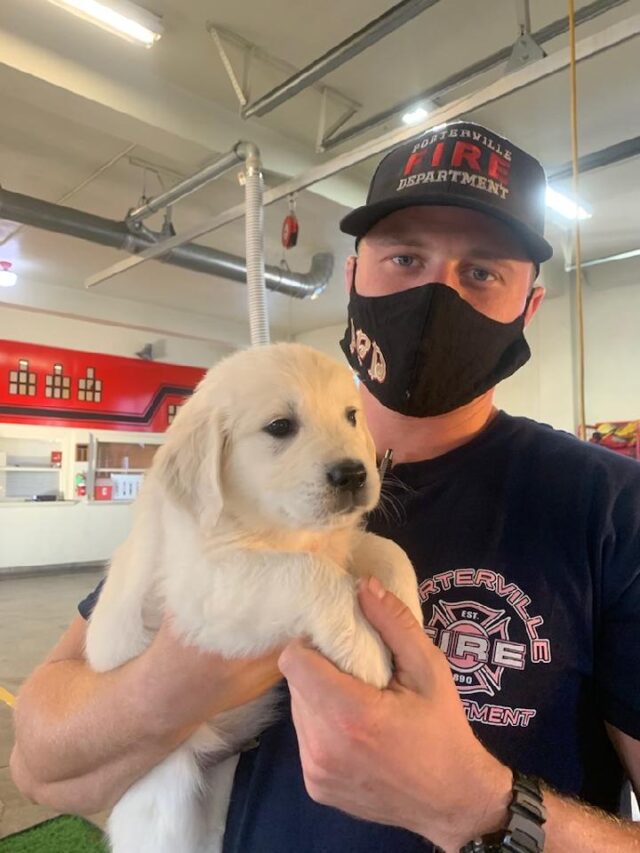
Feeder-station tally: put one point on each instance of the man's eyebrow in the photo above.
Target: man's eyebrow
(483, 253)
(391, 238)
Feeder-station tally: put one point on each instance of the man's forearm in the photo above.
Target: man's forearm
(96, 791)
(71, 722)
(572, 826)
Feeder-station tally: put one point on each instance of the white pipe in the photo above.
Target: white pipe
(592, 45)
(254, 235)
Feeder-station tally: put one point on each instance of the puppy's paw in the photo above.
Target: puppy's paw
(371, 661)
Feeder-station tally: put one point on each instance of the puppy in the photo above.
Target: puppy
(249, 532)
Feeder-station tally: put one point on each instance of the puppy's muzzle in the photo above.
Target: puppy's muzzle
(349, 475)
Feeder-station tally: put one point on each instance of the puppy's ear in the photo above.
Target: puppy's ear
(188, 464)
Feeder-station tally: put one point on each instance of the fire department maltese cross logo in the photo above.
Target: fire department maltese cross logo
(475, 639)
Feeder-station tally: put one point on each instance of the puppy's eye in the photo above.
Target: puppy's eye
(351, 416)
(281, 428)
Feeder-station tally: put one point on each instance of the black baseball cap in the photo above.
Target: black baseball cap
(465, 165)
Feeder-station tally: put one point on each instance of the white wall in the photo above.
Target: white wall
(44, 534)
(612, 342)
(50, 330)
(543, 388)
(326, 340)
(95, 307)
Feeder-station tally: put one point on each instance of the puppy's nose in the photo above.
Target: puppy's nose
(348, 475)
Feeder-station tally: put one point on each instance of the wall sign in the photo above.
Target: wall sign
(50, 386)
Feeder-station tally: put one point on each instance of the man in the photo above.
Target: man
(527, 547)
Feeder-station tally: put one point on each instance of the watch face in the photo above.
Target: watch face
(488, 844)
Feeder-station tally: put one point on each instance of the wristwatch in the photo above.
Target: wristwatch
(524, 832)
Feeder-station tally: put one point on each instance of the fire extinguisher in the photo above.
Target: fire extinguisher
(290, 226)
(81, 484)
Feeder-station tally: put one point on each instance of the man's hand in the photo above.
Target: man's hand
(186, 686)
(404, 756)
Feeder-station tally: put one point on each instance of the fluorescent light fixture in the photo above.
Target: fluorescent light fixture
(566, 206)
(119, 17)
(7, 278)
(415, 115)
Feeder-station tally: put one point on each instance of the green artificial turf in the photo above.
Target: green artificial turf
(66, 834)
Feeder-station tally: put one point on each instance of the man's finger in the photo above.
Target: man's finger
(399, 630)
(313, 677)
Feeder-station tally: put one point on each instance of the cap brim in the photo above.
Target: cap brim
(362, 219)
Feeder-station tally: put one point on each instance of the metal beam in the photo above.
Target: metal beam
(375, 30)
(524, 16)
(551, 31)
(252, 51)
(621, 256)
(598, 159)
(590, 46)
(187, 186)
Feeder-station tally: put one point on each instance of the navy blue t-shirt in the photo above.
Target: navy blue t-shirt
(526, 543)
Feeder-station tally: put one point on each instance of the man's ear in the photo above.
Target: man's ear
(349, 272)
(188, 465)
(535, 301)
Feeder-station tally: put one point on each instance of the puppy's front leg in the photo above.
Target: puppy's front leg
(338, 628)
(383, 558)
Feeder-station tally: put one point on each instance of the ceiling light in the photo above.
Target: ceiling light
(119, 17)
(7, 278)
(566, 206)
(415, 115)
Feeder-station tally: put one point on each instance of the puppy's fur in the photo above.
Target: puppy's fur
(242, 537)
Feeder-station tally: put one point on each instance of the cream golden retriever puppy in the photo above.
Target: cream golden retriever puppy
(249, 532)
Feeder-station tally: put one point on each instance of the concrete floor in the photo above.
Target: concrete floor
(34, 612)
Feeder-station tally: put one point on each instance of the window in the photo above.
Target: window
(57, 384)
(90, 388)
(22, 382)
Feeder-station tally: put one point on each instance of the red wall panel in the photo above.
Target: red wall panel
(51, 386)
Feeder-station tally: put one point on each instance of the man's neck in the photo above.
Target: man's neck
(414, 439)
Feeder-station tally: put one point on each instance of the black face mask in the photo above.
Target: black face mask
(425, 351)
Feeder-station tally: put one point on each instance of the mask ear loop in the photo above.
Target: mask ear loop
(353, 273)
(528, 302)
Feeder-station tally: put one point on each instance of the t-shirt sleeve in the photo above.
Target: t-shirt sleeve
(618, 644)
(85, 608)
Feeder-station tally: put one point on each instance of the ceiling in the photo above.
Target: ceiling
(73, 97)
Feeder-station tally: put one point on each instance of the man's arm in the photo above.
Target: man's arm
(406, 756)
(83, 738)
(628, 750)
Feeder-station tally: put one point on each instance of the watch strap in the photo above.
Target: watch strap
(524, 832)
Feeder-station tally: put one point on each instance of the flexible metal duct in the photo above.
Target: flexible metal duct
(108, 232)
(254, 247)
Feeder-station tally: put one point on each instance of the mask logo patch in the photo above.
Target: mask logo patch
(360, 345)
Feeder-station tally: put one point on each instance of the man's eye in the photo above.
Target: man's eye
(403, 260)
(281, 428)
(479, 274)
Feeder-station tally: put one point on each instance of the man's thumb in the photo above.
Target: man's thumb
(400, 632)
